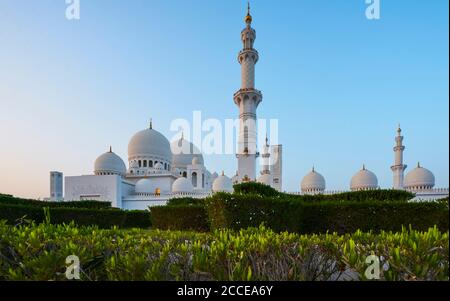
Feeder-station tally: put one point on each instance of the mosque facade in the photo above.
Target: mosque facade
(159, 170)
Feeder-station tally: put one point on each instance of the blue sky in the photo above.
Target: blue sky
(338, 83)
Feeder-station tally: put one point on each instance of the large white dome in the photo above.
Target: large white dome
(265, 179)
(364, 180)
(313, 182)
(109, 163)
(145, 186)
(149, 143)
(419, 178)
(183, 152)
(222, 184)
(182, 185)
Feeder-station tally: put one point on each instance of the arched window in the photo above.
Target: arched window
(150, 163)
(194, 179)
(185, 174)
(140, 163)
(203, 180)
(145, 163)
(165, 166)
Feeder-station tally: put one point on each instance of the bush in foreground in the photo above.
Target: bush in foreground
(11, 200)
(38, 252)
(233, 211)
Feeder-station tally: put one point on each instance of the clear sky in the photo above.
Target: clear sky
(338, 83)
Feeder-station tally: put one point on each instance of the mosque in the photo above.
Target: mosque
(159, 170)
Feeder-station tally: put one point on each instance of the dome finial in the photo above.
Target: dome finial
(223, 173)
(248, 18)
(364, 166)
(151, 123)
(313, 169)
(110, 149)
(418, 165)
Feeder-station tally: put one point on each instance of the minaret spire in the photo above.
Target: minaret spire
(247, 98)
(398, 168)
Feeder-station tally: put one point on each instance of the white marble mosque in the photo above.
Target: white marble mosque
(159, 170)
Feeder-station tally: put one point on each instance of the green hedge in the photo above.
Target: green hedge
(103, 218)
(357, 196)
(242, 211)
(188, 217)
(185, 202)
(256, 188)
(11, 200)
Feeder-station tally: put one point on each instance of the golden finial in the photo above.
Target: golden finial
(313, 169)
(248, 18)
(364, 166)
(151, 123)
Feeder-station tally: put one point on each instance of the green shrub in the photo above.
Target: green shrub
(187, 217)
(185, 201)
(256, 189)
(38, 252)
(242, 211)
(9, 199)
(357, 196)
(102, 218)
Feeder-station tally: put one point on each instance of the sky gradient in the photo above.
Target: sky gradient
(338, 83)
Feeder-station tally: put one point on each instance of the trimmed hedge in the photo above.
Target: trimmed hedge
(242, 211)
(11, 200)
(187, 217)
(185, 202)
(357, 196)
(103, 218)
(256, 188)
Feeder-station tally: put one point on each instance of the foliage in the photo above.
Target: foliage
(38, 252)
(10, 200)
(379, 195)
(185, 202)
(180, 217)
(242, 211)
(255, 189)
(103, 218)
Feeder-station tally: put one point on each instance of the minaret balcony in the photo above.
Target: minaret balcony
(248, 93)
(253, 53)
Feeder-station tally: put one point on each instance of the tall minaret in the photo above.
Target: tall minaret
(247, 99)
(399, 168)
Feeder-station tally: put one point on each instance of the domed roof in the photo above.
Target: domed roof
(313, 181)
(110, 162)
(159, 166)
(182, 185)
(183, 152)
(145, 186)
(265, 179)
(149, 143)
(222, 184)
(363, 180)
(419, 177)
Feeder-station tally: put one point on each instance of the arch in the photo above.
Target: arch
(150, 163)
(184, 174)
(194, 179)
(145, 163)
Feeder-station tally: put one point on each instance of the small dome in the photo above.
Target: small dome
(266, 179)
(183, 152)
(313, 182)
(149, 143)
(182, 185)
(419, 178)
(145, 186)
(222, 184)
(364, 180)
(159, 166)
(109, 163)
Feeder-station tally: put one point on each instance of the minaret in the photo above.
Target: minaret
(399, 168)
(247, 99)
(266, 159)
